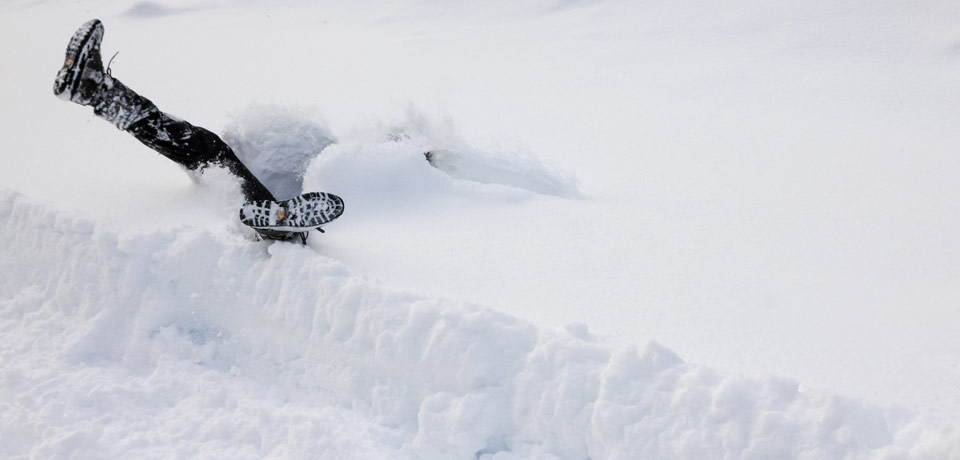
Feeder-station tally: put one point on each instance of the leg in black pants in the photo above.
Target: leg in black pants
(195, 148)
(84, 81)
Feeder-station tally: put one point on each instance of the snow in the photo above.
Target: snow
(649, 230)
(186, 343)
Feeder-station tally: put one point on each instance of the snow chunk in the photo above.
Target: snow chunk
(518, 171)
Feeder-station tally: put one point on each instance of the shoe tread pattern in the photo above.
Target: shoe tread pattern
(84, 40)
(302, 213)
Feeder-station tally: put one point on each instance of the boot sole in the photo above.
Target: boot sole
(303, 213)
(85, 39)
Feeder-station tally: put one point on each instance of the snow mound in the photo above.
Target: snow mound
(279, 143)
(190, 343)
(418, 137)
(522, 172)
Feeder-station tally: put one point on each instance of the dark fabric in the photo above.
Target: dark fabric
(191, 146)
(195, 148)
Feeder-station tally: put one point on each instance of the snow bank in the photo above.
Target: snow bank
(193, 343)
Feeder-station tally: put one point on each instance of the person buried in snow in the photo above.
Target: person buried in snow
(83, 80)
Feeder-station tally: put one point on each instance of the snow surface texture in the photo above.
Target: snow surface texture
(185, 344)
(767, 189)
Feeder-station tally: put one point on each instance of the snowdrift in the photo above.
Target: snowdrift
(279, 144)
(189, 343)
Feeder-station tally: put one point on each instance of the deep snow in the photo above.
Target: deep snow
(186, 343)
(766, 189)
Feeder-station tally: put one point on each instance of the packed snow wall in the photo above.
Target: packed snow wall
(194, 343)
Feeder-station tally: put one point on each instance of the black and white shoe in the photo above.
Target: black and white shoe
(284, 220)
(81, 76)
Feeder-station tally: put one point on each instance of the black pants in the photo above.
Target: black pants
(193, 147)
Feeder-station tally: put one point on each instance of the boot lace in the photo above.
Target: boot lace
(111, 62)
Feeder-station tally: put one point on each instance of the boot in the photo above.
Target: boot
(83, 80)
(82, 73)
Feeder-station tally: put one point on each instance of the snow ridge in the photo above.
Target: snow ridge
(187, 343)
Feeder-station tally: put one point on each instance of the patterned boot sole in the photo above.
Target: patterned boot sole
(85, 40)
(303, 213)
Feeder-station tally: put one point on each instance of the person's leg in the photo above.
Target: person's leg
(191, 146)
(83, 80)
